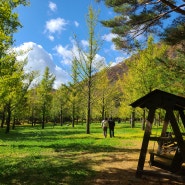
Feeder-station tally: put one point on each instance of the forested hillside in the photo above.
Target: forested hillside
(119, 69)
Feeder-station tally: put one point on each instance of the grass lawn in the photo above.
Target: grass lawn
(68, 156)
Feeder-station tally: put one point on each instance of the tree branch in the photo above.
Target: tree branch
(173, 7)
(152, 21)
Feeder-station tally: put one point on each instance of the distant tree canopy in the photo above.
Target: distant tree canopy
(12, 88)
(93, 95)
(135, 18)
(9, 22)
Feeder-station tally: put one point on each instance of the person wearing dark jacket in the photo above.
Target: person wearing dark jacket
(111, 127)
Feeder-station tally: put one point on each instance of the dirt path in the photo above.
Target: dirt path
(119, 168)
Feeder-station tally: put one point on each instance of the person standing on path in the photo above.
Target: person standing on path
(104, 125)
(111, 127)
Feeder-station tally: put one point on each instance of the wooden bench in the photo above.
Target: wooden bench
(166, 161)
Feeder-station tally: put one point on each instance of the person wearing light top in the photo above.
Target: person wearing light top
(104, 125)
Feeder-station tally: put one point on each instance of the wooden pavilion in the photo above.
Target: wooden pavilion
(158, 99)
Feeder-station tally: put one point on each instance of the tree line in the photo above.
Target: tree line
(91, 95)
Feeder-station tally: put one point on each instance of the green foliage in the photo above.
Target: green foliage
(12, 88)
(44, 91)
(136, 18)
(175, 34)
(104, 95)
(86, 62)
(11, 79)
(60, 104)
(31, 155)
(9, 22)
(175, 78)
(143, 76)
(91, 92)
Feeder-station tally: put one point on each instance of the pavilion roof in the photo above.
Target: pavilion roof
(160, 99)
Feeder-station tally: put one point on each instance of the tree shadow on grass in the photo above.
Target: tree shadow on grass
(69, 163)
(39, 134)
(116, 176)
(75, 147)
(75, 169)
(72, 147)
(60, 170)
(37, 170)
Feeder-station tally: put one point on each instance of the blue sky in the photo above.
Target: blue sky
(48, 29)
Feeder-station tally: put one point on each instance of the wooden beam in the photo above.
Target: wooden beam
(177, 132)
(163, 132)
(165, 125)
(162, 139)
(145, 142)
(182, 117)
(161, 174)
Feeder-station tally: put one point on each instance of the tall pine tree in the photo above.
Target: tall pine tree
(136, 18)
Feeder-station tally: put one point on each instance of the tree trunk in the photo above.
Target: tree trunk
(13, 126)
(144, 119)
(133, 119)
(61, 116)
(32, 116)
(73, 116)
(103, 108)
(89, 105)
(43, 120)
(43, 116)
(3, 117)
(88, 118)
(88, 110)
(8, 118)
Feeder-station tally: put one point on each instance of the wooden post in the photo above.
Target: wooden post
(177, 132)
(182, 116)
(145, 142)
(144, 119)
(163, 133)
(165, 125)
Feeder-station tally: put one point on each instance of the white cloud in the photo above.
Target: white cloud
(39, 59)
(117, 61)
(55, 26)
(51, 37)
(65, 53)
(76, 23)
(109, 37)
(52, 6)
(120, 59)
(113, 47)
(85, 43)
(99, 62)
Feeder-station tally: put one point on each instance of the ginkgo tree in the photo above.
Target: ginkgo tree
(60, 104)
(32, 105)
(11, 71)
(104, 95)
(175, 78)
(88, 63)
(45, 94)
(75, 89)
(14, 85)
(144, 75)
(9, 23)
